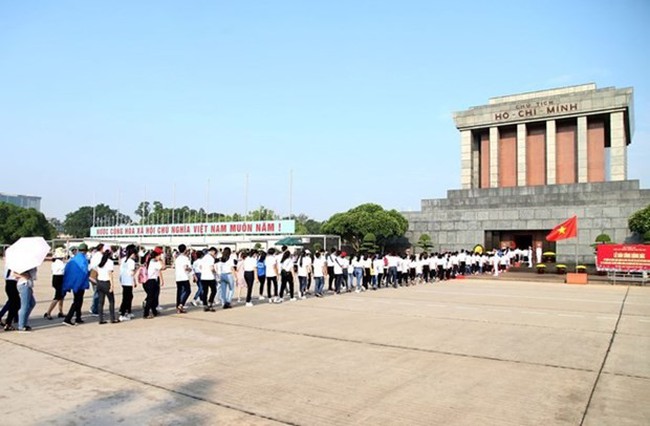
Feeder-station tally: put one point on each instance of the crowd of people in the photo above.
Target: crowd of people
(223, 277)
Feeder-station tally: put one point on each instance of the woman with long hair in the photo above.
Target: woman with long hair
(240, 280)
(227, 280)
(154, 282)
(286, 266)
(128, 282)
(105, 286)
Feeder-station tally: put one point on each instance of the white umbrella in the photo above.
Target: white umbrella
(26, 253)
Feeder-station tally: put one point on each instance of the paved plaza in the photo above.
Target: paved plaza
(465, 352)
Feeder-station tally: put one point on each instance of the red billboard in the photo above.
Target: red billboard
(623, 257)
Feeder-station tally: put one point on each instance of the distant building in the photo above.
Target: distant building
(25, 201)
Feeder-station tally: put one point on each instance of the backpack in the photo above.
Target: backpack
(142, 275)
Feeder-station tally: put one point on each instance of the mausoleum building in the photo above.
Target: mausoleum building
(529, 162)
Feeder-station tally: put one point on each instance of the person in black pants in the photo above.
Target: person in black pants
(75, 279)
(11, 288)
(153, 284)
(330, 269)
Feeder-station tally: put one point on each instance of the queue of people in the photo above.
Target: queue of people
(221, 275)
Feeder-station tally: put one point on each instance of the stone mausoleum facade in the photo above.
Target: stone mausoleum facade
(531, 161)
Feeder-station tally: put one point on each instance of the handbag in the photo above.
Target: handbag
(93, 276)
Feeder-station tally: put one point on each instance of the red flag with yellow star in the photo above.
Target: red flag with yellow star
(564, 230)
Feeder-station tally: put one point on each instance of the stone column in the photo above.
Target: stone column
(494, 157)
(550, 152)
(618, 150)
(476, 163)
(583, 169)
(521, 155)
(466, 159)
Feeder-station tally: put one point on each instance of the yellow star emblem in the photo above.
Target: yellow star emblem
(562, 230)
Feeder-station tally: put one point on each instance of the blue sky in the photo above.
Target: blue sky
(102, 99)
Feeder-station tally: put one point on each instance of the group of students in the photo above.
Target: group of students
(220, 274)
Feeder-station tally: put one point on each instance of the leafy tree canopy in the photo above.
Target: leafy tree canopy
(79, 222)
(365, 219)
(425, 242)
(17, 222)
(639, 222)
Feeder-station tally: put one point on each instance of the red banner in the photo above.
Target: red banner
(623, 257)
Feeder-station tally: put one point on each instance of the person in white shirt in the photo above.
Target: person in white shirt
(183, 272)
(272, 271)
(58, 266)
(377, 271)
(196, 269)
(392, 262)
(304, 269)
(249, 260)
(105, 286)
(355, 270)
(227, 271)
(366, 263)
(319, 267)
(330, 260)
(153, 284)
(25, 285)
(286, 265)
(94, 260)
(208, 280)
(127, 280)
(308, 260)
(337, 270)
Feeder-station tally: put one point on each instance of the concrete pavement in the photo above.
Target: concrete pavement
(463, 352)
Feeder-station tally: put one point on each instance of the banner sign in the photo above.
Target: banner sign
(267, 227)
(623, 257)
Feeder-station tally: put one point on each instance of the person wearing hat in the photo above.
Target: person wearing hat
(58, 266)
(75, 279)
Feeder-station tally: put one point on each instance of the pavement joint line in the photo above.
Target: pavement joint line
(446, 318)
(629, 376)
(149, 384)
(389, 346)
(602, 366)
(570, 315)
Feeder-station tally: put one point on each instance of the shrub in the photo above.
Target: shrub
(603, 239)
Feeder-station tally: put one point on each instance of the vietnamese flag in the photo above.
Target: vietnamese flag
(564, 230)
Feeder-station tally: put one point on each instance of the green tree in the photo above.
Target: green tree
(639, 222)
(17, 222)
(79, 222)
(369, 244)
(143, 210)
(603, 239)
(57, 224)
(425, 242)
(262, 213)
(369, 218)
